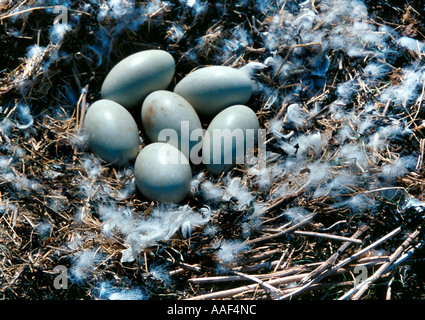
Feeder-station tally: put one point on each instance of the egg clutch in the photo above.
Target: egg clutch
(172, 120)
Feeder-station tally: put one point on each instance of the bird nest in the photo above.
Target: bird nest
(336, 212)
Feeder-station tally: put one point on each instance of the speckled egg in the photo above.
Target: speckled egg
(229, 135)
(133, 78)
(112, 133)
(163, 173)
(168, 117)
(211, 89)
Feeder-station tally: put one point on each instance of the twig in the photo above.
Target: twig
(238, 290)
(183, 265)
(81, 113)
(281, 258)
(227, 278)
(358, 291)
(389, 287)
(260, 256)
(274, 291)
(329, 236)
(282, 8)
(421, 155)
(5, 16)
(332, 226)
(387, 104)
(269, 266)
(333, 258)
(369, 247)
(284, 273)
(275, 282)
(344, 262)
(276, 235)
(311, 278)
